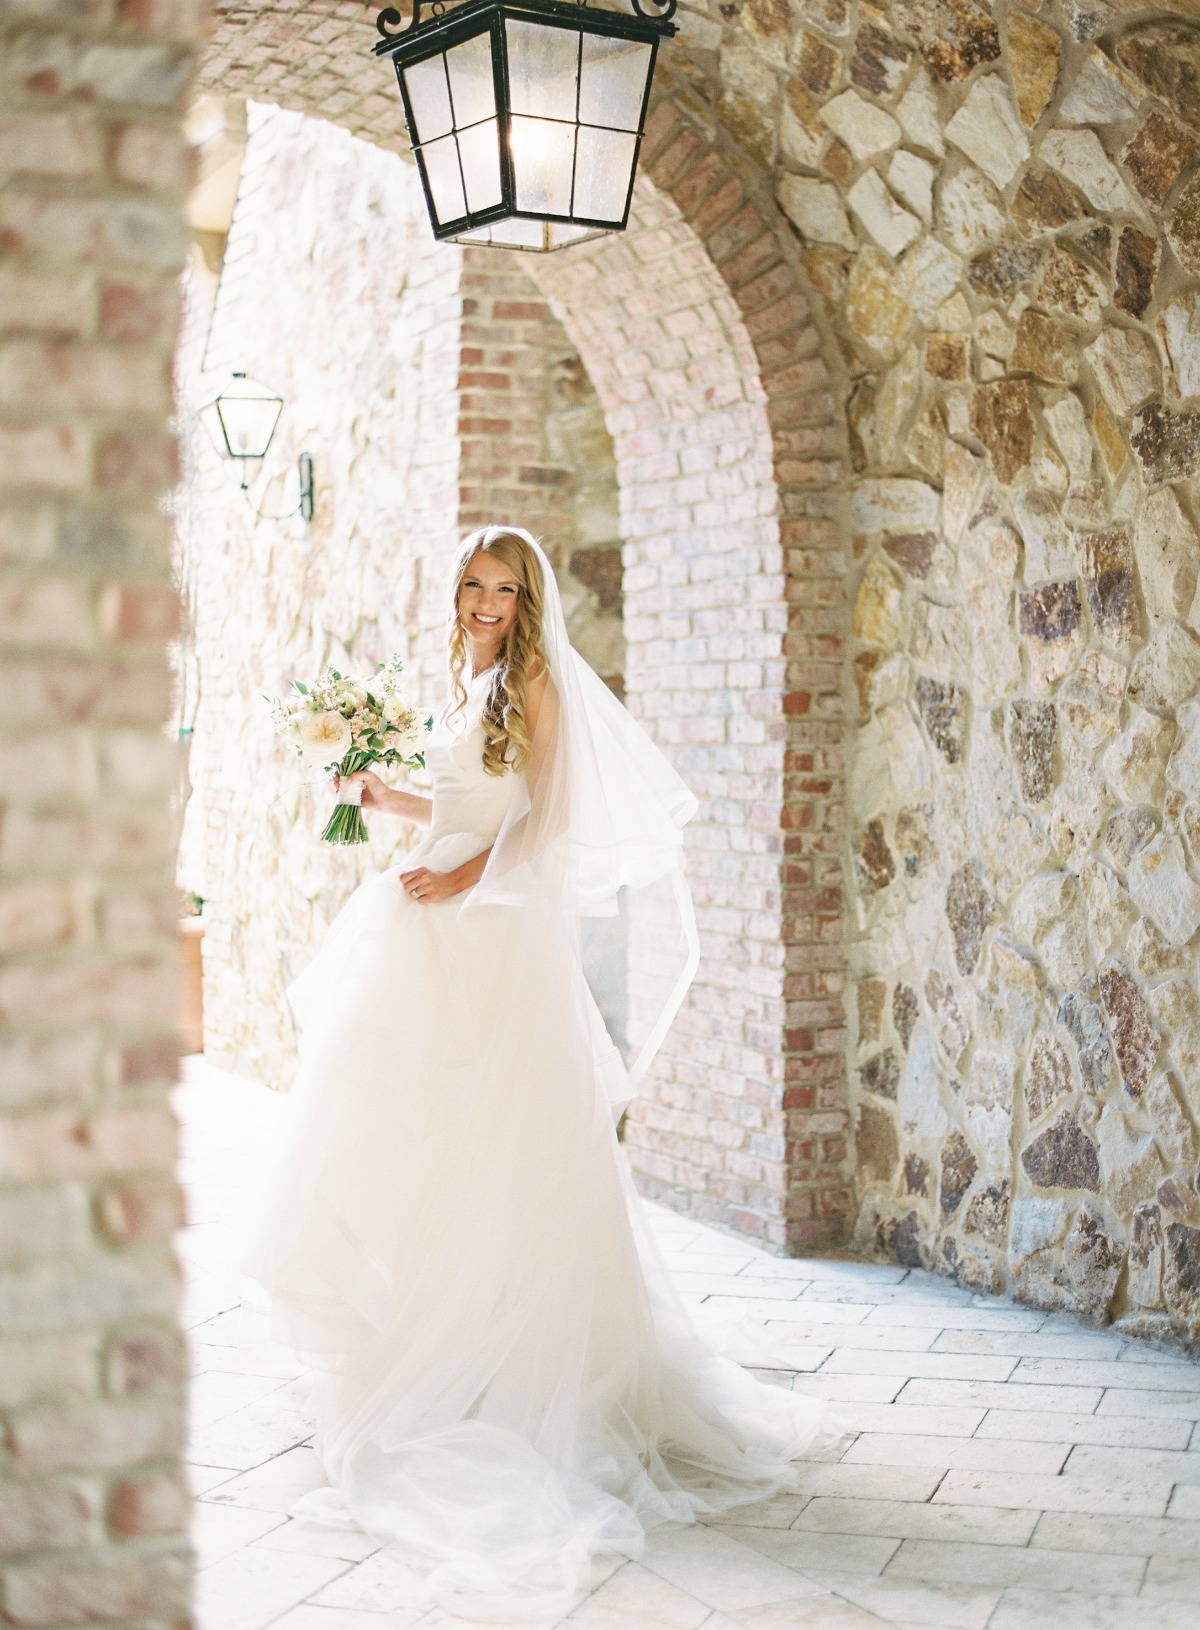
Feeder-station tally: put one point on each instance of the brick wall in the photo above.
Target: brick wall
(93, 173)
(705, 353)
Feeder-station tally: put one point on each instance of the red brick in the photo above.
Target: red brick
(48, 144)
(148, 1507)
(130, 1584)
(138, 461)
(152, 157)
(46, 457)
(131, 613)
(130, 312)
(147, 1361)
(133, 1213)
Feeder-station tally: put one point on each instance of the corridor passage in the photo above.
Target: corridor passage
(1003, 1469)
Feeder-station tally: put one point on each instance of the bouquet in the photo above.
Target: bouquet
(346, 724)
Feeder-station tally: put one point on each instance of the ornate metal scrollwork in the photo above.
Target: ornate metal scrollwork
(661, 11)
(388, 20)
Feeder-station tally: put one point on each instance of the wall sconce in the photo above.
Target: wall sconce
(241, 421)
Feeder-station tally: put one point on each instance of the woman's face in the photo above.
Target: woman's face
(487, 600)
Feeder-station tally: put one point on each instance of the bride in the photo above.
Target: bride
(506, 1382)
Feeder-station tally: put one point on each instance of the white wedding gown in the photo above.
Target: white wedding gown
(507, 1383)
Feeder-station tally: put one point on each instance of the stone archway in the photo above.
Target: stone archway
(718, 387)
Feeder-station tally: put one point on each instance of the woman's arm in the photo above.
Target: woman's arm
(410, 806)
(429, 887)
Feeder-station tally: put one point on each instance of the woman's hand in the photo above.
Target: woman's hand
(427, 887)
(375, 795)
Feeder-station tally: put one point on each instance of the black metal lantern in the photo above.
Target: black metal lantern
(526, 115)
(241, 420)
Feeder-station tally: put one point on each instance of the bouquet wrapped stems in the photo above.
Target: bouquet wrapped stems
(346, 824)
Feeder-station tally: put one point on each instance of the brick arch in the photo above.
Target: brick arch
(718, 387)
(701, 341)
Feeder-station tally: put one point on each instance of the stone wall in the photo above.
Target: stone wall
(395, 363)
(999, 213)
(93, 174)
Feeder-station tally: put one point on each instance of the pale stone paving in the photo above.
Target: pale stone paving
(1002, 1469)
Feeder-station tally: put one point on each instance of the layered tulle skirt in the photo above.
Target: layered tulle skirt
(506, 1382)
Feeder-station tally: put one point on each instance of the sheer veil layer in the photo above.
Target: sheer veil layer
(506, 1382)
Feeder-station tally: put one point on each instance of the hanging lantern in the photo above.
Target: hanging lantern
(526, 115)
(241, 420)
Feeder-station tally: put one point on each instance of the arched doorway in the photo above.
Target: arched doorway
(720, 393)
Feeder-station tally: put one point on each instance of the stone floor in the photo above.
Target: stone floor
(1003, 1469)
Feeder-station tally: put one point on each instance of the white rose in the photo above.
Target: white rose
(394, 708)
(324, 738)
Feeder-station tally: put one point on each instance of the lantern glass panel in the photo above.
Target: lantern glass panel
(543, 69)
(248, 413)
(603, 166)
(472, 84)
(612, 81)
(444, 177)
(429, 98)
(543, 152)
(479, 151)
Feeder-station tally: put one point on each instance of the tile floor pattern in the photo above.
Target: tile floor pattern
(1003, 1469)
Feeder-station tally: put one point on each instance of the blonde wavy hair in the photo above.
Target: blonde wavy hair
(522, 656)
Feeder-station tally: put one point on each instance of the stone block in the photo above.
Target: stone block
(943, 709)
(1135, 763)
(987, 1215)
(1048, 1077)
(1037, 1224)
(969, 213)
(1124, 367)
(1092, 1263)
(987, 130)
(953, 36)
(879, 60)
(1043, 202)
(1156, 156)
(1165, 548)
(1181, 1274)
(1130, 1164)
(1103, 93)
(1090, 704)
(1183, 766)
(876, 309)
(876, 1145)
(911, 179)
(815, 210)
(1079, 158)
(949, 1022)
(1173, 1129)
(958, 1168)
(891, 225)
(877, 606)
(1166, 445)
(1033, 734)
(1183, 229)
(1001, 418)
(1134, 1040)
(1084, 1021)
(1166, 671)
(968, 912)
(905, 1011)
(988, 1106)
(1044, 348)
(1050, 621)
(1165, 57)
(1179, 331)
(917, 112)
(881, 1074)
(1146, 1257)
(875, 864)
(1062, 1157)
(1033, 58)
(1069, 286)
(864, 128)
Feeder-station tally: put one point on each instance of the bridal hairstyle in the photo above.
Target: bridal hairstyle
(506, 743)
